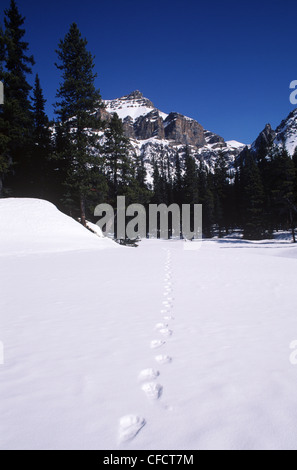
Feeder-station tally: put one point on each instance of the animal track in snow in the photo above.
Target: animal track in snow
(157, 344)
(130, 426)
(148, 374)
(160, 326)
(163, 359)
(166, 332)
(169, 317)
(152, 390)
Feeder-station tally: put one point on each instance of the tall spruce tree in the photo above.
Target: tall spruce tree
(220, 181)
(190, 179)
(206, 198)
(284, 174)
(16, 122)
(42, 148)
(78, 101)
(4, 139)
(178, 181)
(157, 184)
(117, 159)
(252, 200)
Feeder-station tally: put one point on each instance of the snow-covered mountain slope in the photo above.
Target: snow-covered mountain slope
(34, 225)
(157, 136)
(284, 136)
(286, 133)
(133, 105)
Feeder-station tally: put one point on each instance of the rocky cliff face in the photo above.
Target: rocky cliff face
(285, 136)
(159, 137)
(183, 130)
(149, 126)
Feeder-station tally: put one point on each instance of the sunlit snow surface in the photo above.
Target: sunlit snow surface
(80, 327)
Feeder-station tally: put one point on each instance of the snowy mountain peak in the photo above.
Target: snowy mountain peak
(157, 136)
(286, 133)
(135, 95)
(133, 105)
(285, 136)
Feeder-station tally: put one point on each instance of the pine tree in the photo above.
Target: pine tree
(117, 159)
(16, 113)
(76, 109)
(206, 198)
(42, 149)
(253, 200)
(221, 185)
(140, 170)
(157, 184)
(4, 140)
(178, 181)
(169, 181)
(190, 179)
(139, 193)
(284, 175)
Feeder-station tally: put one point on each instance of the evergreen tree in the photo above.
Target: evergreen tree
(16, 122)
(284, 175)
(178, 181)
(4, 139)
(253, 200)
(190, 179)
(76, 109)
(206, 198)
(139, 192)
(117, 159)
(169, 181)
(221, 185)
(157, 184)
(233, 202)
(41, 154)
(140, 170)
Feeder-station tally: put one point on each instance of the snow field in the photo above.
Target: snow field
(80, 330)
(152, 390)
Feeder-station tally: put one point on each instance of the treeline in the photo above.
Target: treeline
(80, 160)
(257, 197)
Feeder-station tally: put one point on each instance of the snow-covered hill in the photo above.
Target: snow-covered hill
(157, 136)
(34, 225)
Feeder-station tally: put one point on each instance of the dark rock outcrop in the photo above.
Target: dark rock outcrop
(149, 126)
(183, 130)
(212, 138)
(264, 140)
(128, 127)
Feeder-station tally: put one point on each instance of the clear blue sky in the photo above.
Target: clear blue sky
(226, 63)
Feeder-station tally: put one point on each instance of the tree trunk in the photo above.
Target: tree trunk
(83, 211)
(292, 226)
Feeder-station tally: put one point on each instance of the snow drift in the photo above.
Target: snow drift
(34, 225)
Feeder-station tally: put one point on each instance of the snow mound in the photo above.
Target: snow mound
(34, 226)
(95, 229)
